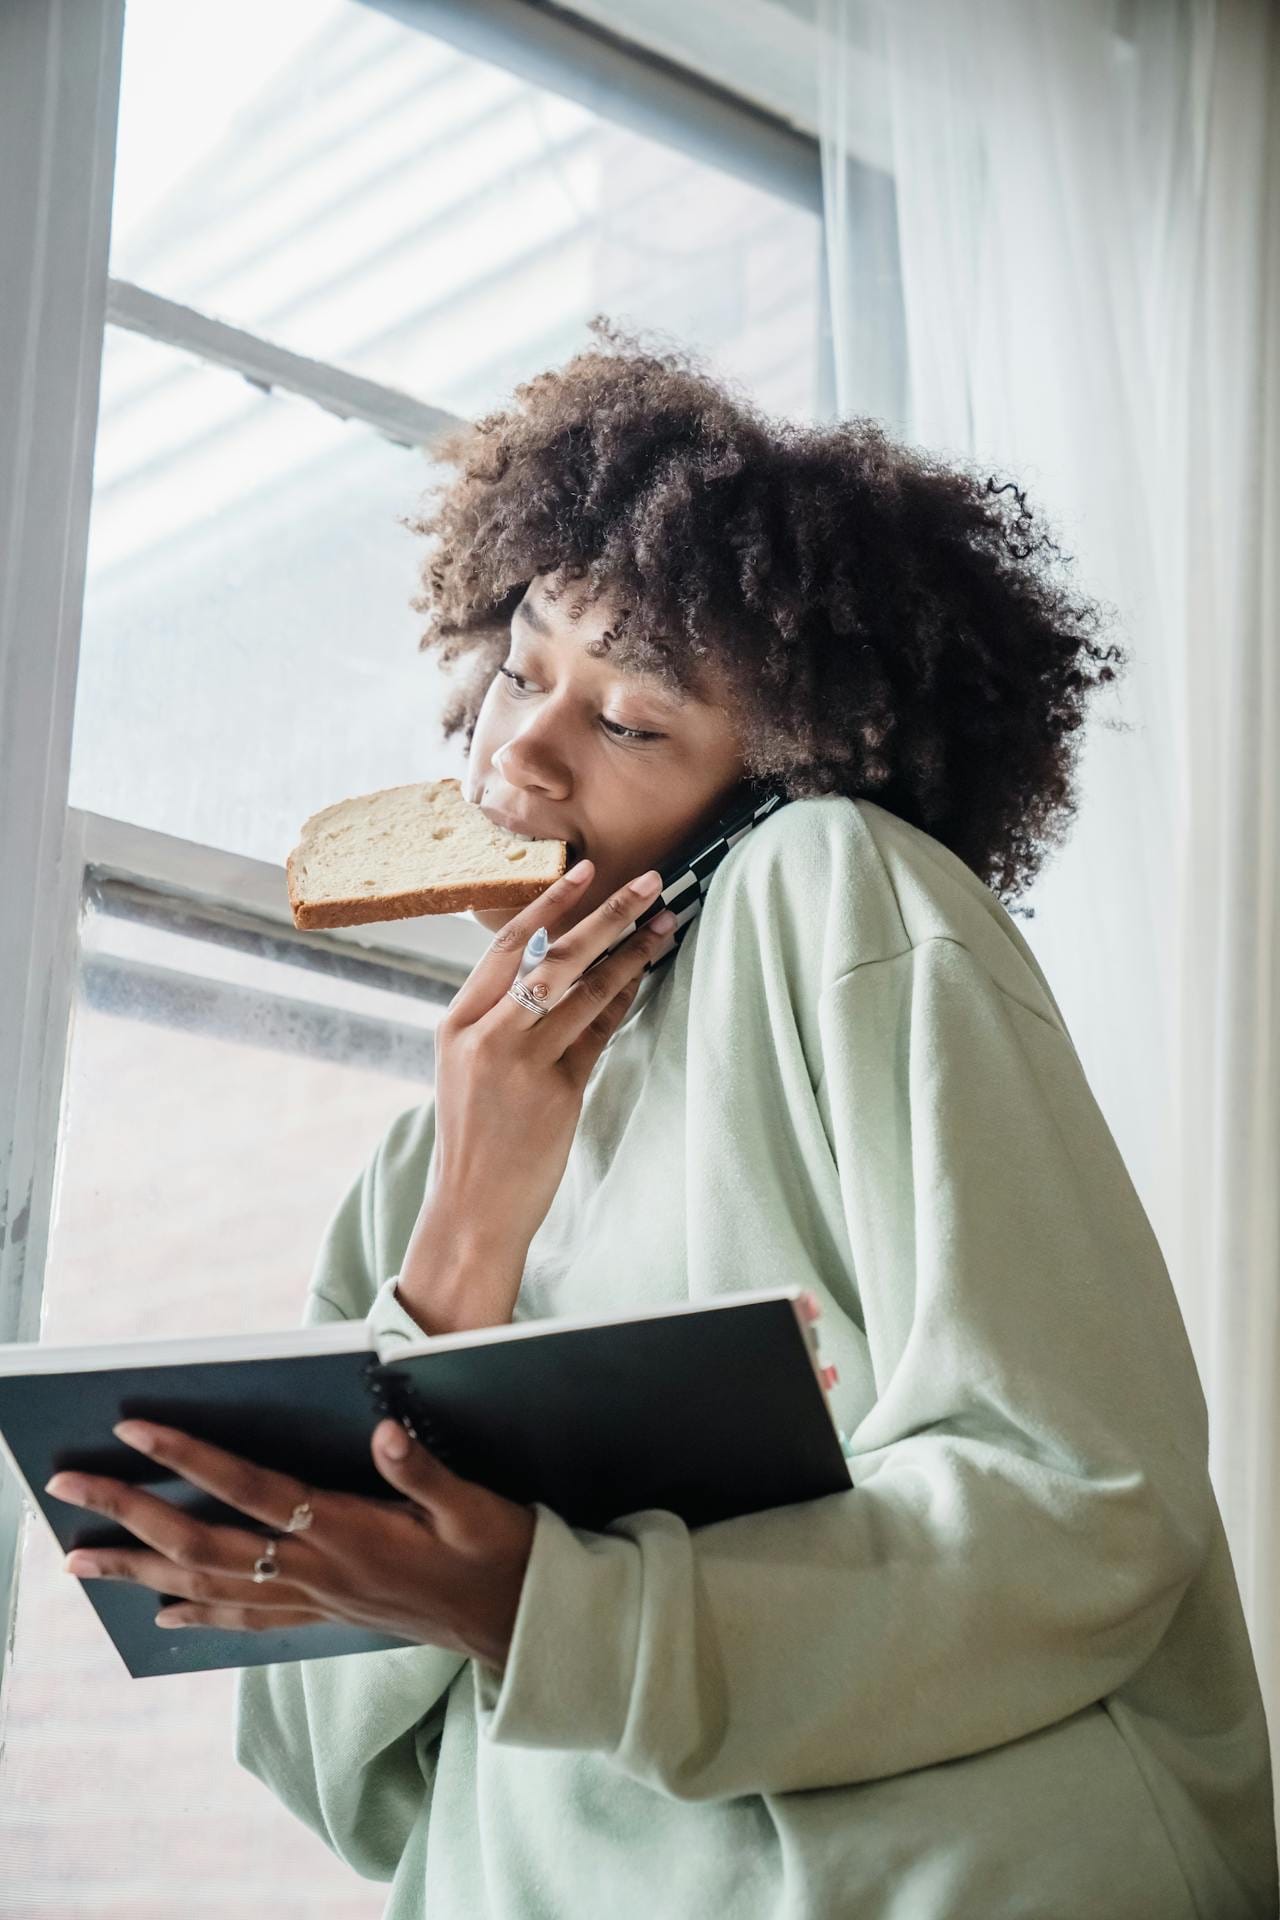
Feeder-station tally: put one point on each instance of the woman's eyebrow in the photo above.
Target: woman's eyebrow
(672, 697)
(526, 610)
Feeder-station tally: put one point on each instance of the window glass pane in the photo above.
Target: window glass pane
(198, 1165)
(355, 190)
(248, 652)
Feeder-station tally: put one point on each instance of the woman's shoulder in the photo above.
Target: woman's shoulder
(844, 883)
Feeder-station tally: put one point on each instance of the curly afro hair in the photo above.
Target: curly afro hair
(890, 625)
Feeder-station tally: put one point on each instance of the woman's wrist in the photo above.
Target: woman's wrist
(492, 1617)
(453, 1278)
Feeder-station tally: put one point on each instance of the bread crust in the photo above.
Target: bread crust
(354, 912)
(364, 910)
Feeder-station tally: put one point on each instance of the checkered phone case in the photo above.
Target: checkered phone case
(687, 874)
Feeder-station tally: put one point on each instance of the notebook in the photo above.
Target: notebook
(707, 1409)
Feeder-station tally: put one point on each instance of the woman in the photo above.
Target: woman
(1007, 1673)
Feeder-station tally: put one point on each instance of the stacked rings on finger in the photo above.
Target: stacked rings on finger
(525, 996)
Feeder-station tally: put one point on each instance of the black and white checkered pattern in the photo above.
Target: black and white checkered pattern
(687, 875)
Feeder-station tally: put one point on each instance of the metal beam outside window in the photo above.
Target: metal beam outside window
(627, 84)
(397, 416)
(243, 902)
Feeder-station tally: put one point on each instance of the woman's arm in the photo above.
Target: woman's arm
(349, 1744)
(1031, 1493)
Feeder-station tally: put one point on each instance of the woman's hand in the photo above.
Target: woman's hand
(509, 1086)
(443, 1567)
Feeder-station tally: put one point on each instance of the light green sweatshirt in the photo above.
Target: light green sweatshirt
(1006, 1674)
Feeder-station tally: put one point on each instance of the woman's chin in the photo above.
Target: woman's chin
(492, 919)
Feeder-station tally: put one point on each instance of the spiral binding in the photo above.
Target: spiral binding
(397, 1399)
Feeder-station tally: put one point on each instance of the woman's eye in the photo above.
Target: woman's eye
(614, 727)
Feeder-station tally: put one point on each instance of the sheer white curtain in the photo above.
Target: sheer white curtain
(1087, 233)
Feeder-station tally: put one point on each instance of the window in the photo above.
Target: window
(248, 653)
(332, 236)
(373, 199)
(364, 194)
(220, 1091)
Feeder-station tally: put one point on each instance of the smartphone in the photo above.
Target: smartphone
(687, 873)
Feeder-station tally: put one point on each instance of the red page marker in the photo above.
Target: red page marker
(829, 1377)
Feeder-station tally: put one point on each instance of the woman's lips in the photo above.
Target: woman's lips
(508, 824)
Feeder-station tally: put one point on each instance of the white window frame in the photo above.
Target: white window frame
(60, 68)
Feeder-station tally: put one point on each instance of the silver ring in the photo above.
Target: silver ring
(520, 993)
(264, 1567)
(301, 1517)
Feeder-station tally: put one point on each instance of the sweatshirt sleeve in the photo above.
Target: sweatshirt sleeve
(1030, 1490)
(349, 1744)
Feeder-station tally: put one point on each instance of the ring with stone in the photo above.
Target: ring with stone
(525, 996)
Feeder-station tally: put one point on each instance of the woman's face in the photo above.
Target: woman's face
(575, 748)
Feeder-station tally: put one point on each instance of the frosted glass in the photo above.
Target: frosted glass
(367, 195)
(248, 651)
(195, 1175)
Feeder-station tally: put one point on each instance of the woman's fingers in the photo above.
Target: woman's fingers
(181, 1542)
(499, 964)
(157, 1571)
(591, 1006)
(580, 1056)
(240, 1617)
(258, 1492)
(572, 953)
(569, 958)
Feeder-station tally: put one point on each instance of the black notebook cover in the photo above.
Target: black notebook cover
(706, 1411)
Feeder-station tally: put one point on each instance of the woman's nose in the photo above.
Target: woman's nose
(528, 762)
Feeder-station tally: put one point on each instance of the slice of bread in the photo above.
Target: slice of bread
(405, 851)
